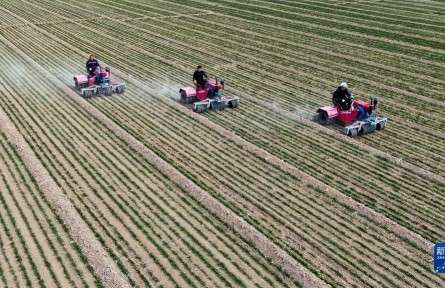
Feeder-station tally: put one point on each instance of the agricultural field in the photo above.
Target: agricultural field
(136, 190)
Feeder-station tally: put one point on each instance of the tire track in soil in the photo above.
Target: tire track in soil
(92, 249)
(299, 273)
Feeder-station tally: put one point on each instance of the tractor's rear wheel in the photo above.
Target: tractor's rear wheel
(183, 96)
(108, 91)
(323, 118)
(380, 126)
(233, 104)
(199, 108)
(353, 133)
(120, 89)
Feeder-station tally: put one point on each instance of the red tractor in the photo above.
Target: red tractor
(208, 97)
(90, 85)
(358, 117)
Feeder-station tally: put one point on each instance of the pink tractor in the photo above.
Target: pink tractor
(90, 85)
(358, 119)
(208, 97)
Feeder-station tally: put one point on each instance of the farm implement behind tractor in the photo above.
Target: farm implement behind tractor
(90, 85)
(358, 119)
(208, 97)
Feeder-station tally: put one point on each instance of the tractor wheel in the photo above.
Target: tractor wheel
(120, 89)
(76, 84)
(380, 126)
(233, 104)
(108, 91)
(353, 133)
(222, 106)
(87, 94)
(200, 108)
(183, 97)
(323, 118)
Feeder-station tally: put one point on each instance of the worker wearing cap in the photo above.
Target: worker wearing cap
(342, 97)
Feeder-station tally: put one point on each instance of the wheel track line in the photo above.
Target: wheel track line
(93, 250)
(268, 248)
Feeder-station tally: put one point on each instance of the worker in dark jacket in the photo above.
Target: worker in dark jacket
(200, 77)
(342, 97)
(91, 67)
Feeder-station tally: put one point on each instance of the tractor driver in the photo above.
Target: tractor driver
(200, 77)
(342, 97)
(91, 66)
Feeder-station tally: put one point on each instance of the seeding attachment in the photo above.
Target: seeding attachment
(103, 90)
(216, 104)
(366, 126)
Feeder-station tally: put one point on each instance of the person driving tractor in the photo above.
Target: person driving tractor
(91, 67)
(200, 79)
(342, 97)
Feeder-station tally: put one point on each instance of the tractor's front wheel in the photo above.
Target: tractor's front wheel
(323, 118)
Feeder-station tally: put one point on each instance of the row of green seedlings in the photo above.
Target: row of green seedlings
(285, 18)
(15, 172)
(28, 12)
(338, 21)
(140, 121)
(374, 16)
(298, 31)
(114, 10)
(291, 151)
